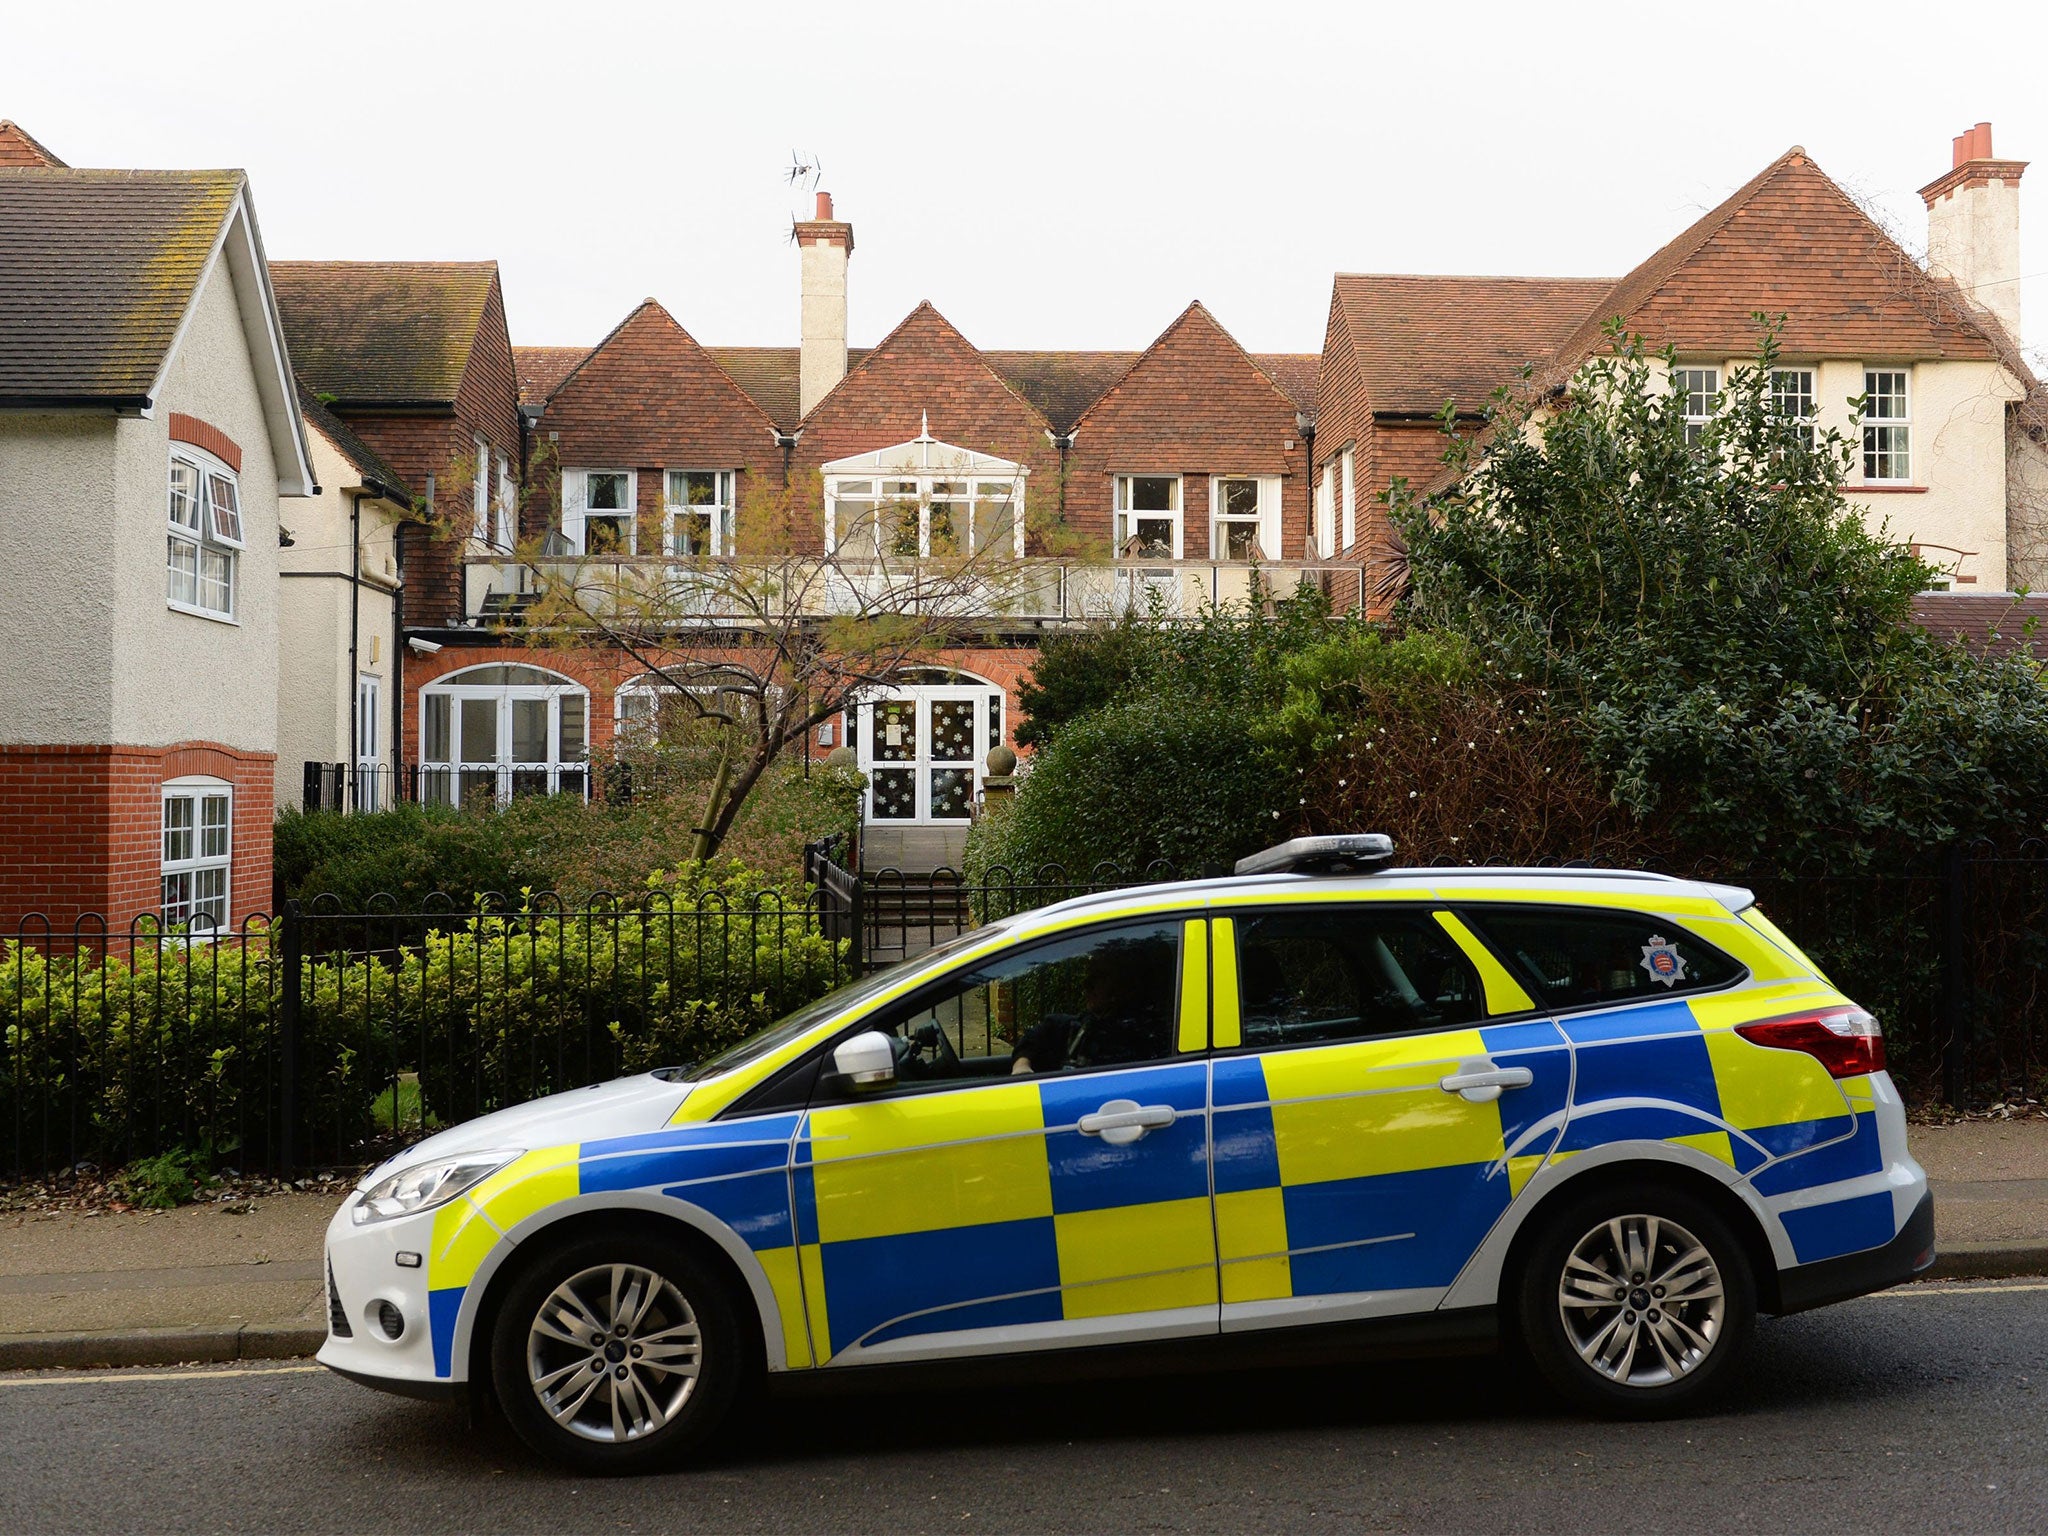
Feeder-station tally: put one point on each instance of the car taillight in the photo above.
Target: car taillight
(1847, 1041)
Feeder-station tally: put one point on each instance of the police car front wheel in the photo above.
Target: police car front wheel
(616, 1354)
(1636, 1304)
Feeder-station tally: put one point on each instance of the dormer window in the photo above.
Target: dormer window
(1148, 521)
(597, 511)
(699, 506)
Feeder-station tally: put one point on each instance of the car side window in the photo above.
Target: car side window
(1308, 975)
(1107, 997)
(1579, 957)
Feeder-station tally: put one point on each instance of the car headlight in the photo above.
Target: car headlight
(423, 1186)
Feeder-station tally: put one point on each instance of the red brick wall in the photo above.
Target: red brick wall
(81, 828)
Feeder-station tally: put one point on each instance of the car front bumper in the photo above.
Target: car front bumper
(364, 1274)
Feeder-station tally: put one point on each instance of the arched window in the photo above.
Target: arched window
(495, 731)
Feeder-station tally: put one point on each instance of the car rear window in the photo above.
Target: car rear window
(1577, 957)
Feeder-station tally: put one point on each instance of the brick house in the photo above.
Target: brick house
(150, 437)
(1949, 396)
(652, 443)
(412, 364)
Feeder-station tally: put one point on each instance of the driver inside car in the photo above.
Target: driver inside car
(1111, 1026)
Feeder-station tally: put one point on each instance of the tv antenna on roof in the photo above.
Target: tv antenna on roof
(804, 168)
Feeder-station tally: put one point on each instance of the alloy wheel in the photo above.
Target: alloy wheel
(614, 1352)
(1642, 1300)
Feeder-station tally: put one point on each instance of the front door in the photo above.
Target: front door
(1374, 1122)
(1039, 1173)
(921, 752)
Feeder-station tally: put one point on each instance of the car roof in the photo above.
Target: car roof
(1472, 882)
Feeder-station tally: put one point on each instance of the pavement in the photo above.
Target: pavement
(1923, 1409)
(223, 1282)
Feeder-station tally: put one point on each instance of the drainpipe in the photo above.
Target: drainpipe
(355, 597)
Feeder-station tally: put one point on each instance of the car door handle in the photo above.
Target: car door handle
(1122, 1121)
(1480, 1082)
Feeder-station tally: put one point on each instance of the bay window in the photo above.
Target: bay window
(205, 536)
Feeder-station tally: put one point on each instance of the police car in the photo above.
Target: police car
(1608, 1116)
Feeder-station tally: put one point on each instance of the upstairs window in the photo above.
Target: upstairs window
(597, 510)
(1244, 517)
(1792, 399)
(1887, 426)
(1347, 471)
(1700, 388)
(699, 505)
(508, 504)
(197, 849)
(480, 491)
(926, 516)
(205, 537)
(1148, 518)
(1326, 513)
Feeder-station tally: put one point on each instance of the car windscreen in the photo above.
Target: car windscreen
(771, 1038)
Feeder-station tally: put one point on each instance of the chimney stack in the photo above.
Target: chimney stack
(1973, 227)
(824, 244)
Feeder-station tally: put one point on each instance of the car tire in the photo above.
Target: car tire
(1636, 1302)
(618, 1354)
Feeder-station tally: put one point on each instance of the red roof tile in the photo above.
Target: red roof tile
(542, 369)
(18, 148)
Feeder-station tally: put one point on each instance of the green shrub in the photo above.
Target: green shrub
(168, 1179)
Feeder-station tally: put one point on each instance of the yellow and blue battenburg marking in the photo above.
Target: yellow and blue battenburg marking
(987, 1207)
(1347, 1168)
(738, 1171)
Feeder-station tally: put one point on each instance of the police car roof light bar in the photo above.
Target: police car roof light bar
(1343, 853)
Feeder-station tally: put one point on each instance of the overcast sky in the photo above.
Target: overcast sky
(1047, 175)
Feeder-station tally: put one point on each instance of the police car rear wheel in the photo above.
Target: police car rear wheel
(1636, 1304)
(616, 1354)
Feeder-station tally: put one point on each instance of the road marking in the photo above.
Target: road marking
(1938, 1288)
(117, 1373)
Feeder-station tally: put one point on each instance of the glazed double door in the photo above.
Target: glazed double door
(921, 752)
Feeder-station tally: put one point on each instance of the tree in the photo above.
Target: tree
(766, 642)
(1711, 613)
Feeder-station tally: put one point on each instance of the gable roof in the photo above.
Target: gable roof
(1193, 377)
(99, 271)
(1420, 340)
(1061, 384)
(369, 463)
(923, 378)
(1788, 240)
(18, 148)
(541, 370)
(370, 333)
(682, 403)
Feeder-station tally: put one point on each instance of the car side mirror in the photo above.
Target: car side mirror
(867, 1060)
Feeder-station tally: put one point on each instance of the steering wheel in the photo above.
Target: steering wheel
(931, 1036)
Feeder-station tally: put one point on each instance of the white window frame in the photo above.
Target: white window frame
(1326, 513)
(1802, 395)
(193, 860)
(1266, 517)
(213, 535)
(904, 489)
(1347, 469)
(480, 491)
(1683, 379)
(1127, 517)
(576, 512)
(1897, 426)
(369, 732)
(719, 510)
(442, 777)
(507, 504)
